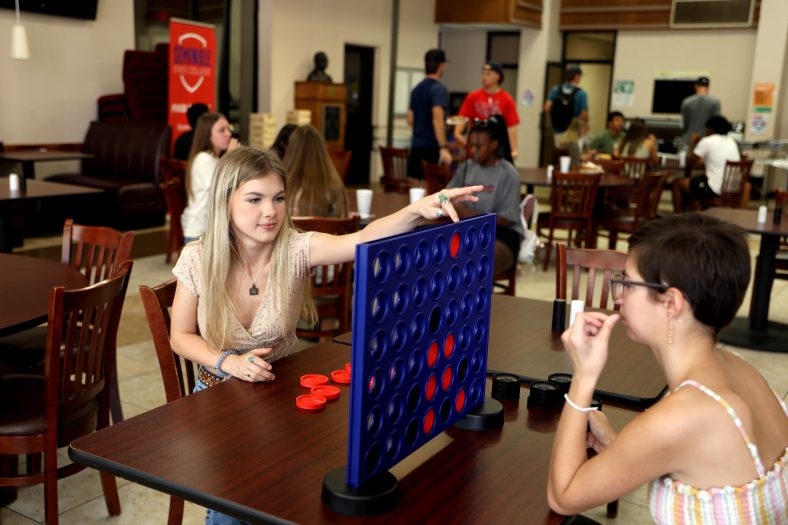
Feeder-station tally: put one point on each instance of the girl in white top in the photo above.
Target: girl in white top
(212, 138)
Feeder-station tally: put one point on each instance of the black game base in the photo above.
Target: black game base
(377, 496)
(739, 333)
(486, 417)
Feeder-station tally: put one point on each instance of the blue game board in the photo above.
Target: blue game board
(421, 319)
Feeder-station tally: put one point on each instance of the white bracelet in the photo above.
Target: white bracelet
(578, 407)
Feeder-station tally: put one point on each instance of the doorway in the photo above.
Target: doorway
(359, 67)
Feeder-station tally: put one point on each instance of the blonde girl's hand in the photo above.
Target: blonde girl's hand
(441, 204)
(602, 434)
(252, 366)
(586, 342)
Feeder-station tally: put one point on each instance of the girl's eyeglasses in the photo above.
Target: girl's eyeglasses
(618, 284)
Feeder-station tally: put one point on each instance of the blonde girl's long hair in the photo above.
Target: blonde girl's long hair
(220, 251)
(200, 142)
(574, 132)
(315, 186)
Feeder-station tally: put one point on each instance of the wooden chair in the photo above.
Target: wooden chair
(98, 252)
(572, 197)
(629, 220)
(172, 169)
(178, 375)
(71, 399)
(735, 192)
(588, 263)
(612, 166)
(634, 167)
(331, 284)
(781, 259)
(395, 170)
(341, 160)
(175, 197)
(436, 176)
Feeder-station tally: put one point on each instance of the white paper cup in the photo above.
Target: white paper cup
(416, 194)
(364, 202)
(682, 158)
(565, 163)
(576, 307)
(13, 182)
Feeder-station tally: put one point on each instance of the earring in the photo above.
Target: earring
(670, 331)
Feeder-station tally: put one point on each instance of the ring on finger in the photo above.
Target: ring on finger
(439, 213)
(250, 359)
(442, 198)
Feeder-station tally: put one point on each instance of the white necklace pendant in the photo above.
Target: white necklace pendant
(253, 290)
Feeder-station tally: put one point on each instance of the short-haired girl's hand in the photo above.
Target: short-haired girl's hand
(586, 342)
(441, 204)
(252, 367)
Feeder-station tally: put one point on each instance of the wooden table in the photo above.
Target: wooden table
(28, 159)
(530, 177)
(25, 283)
(522, 343)
(244, 449)
(757, 332)
(383, 203)
(15, 206)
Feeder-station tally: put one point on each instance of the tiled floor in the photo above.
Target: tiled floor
(81, 501)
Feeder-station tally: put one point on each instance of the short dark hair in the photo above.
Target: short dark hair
(718, 124)
(614, 114)
(433, 59)
(571, 73)
(194, 112)
(704, 257)
(702, 81)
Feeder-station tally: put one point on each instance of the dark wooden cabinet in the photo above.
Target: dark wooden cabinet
(517, 12)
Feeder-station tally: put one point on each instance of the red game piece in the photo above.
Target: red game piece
(310, 380)
(341, 376)
(348, 367)
(311, 402)
(330, 392)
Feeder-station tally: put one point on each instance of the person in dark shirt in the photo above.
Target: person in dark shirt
(183, 144)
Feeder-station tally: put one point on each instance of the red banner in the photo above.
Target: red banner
(192, 71)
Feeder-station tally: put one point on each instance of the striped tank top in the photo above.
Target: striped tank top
(761, 501)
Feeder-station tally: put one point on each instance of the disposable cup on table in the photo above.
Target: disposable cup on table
(416, 194)
(565, 163)
(364, 202)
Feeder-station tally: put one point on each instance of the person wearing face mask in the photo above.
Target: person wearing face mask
(490, 166)
(487, 101)
(212, 138)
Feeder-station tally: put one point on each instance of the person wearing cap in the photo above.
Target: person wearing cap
(569, 92)
(697, 109)
(487, 101)
(429, 104)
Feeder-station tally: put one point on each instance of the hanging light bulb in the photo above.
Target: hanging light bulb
(19, 49)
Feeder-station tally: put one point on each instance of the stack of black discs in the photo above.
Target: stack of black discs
(506, 386)
(544, 394)
(596, 403)
(562, 380)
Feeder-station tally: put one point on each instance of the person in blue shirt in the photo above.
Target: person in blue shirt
(429, 103)
(566, 101)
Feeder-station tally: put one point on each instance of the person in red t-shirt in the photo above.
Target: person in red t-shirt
(487, 101)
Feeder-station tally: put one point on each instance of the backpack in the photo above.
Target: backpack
(563, 110)
(529, 211)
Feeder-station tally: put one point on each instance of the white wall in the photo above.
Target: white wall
(52, 96)
(466, 50)
(725, 54)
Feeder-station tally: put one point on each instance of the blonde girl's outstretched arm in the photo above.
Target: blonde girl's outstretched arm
(333, 249)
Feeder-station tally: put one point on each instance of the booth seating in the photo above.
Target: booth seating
(126, 166)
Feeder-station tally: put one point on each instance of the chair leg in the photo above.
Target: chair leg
(50, 486)
(547, 247)
(175, 516)
(110, 487)
(114, 397)
(612, 509)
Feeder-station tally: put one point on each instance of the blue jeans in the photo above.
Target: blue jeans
(212, 517)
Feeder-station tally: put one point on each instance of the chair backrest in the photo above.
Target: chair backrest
(589, 263)
(436, 176)
(395, 169)
(178, 376)
(572, 195)
(172, 169)
(96, 251)
(341, 160)
(634, 167)
(331, 284)
(612, 166)
(649, 193)
(86, 321)
(175, 197)
(736, 175)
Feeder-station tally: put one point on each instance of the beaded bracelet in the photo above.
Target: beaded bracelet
(578, 407)
(219, 362)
